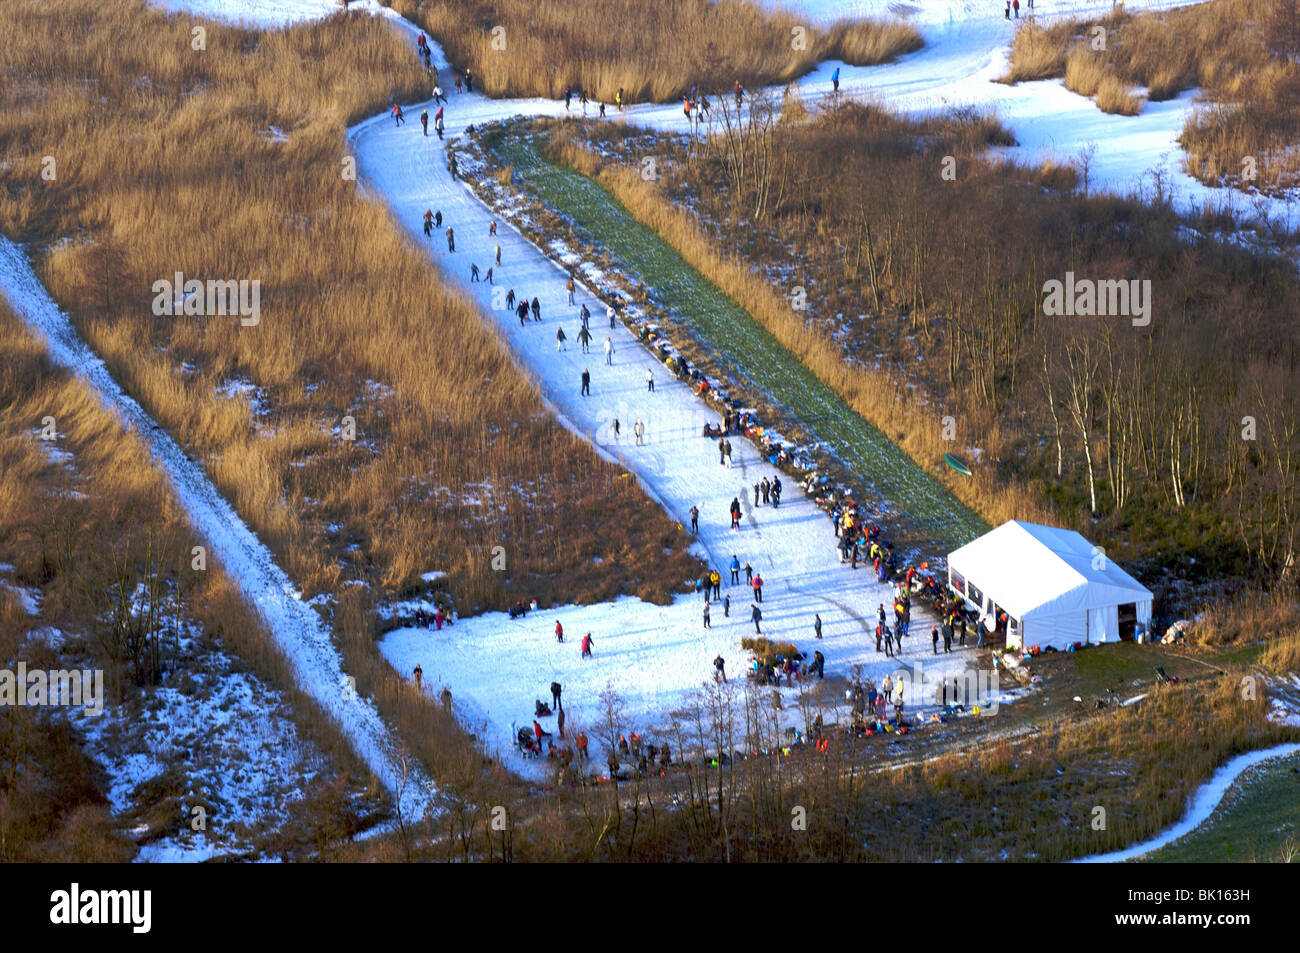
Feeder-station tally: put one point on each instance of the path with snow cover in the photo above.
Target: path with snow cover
(1201, 804)
(295, 626)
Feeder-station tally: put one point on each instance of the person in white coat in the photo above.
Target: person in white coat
(609, 351)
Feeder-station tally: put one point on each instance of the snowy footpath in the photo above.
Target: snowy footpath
(295, 626)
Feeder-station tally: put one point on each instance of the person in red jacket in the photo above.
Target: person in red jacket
(559, 631)
(586, 645)
(758, 587)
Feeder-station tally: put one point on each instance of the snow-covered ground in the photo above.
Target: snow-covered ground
(297, 629)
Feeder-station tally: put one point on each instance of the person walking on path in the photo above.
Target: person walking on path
(469, 81)
(537, 309)
(726, 606)
(585, 316)
(934, 639)
(767, 490)
(584, 338)
(451, 239)
(706, 612)
(488, 276)
(735, 513)
(611, 314)
(473, 272)
(749, 574)
(587, 645)
(715, 580)
(559, 631)
(569, 288)
(638, 428)
(758, 587)
(817, 626)
(498, 253)
(889, 642)
(756, 494)
(428, 223)
(880, 633)
(559, 340)
(555, 696)
(521, 313)
(735, 570)
(437, 219)
(609, 351)
(722, 453)
(492, 228)
(424, 121)
(757, 615)
(438, 96)
(453, 167)
(720, 668)
(649, 381)
(819, 664)
(726, 453)
(398, 118)
(695, 519)
(835, 79)
(586, 382)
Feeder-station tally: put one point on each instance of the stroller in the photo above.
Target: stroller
(528, 744)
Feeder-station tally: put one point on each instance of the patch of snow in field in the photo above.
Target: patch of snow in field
(225, 736)
(28, 599)
(1281, 713)
(237, 387)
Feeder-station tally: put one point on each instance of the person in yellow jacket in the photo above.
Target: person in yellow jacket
(715, 580)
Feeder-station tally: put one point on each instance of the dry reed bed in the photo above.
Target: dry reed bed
(653, 52)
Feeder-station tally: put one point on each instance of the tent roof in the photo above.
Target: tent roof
(1033, 571)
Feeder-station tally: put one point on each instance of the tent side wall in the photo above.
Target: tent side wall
(1058, 631)
(1103, 624)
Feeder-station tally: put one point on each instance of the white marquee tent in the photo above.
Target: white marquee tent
(1055, 587)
